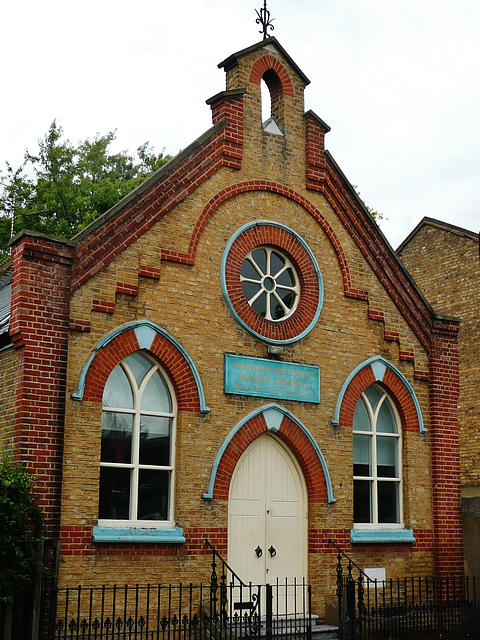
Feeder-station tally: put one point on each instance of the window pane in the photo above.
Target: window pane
(153, 490)
(260, 258)
(156, 396)
(276, 263)
(388, 502)
(387, 457)
(250, 289)
(260, 305)
(114, 493)
(361, 421)
(286, 278)
(155, 440)
(118, 392)
(362, 501)
(386, 420)
(139, 366)
(373, 394)
(361, 455)
(249, 271)
(117, 429)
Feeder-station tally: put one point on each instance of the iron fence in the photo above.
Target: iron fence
(182, 612)
(413, 608)
(422, 608)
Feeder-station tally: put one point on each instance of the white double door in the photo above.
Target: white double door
(267, 509)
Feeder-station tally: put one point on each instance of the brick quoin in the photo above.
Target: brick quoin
(315, 162)
(444, 391)
(292, 436)
(172, 361)
(39, 329)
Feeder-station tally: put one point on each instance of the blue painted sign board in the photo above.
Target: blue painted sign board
(272, 379)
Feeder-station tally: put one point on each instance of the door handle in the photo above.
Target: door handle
(272, 551)
(259, 551)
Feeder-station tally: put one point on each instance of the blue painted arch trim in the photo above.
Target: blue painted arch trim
(273, 414)
(145, 332)
(259, 223)
(379, 366)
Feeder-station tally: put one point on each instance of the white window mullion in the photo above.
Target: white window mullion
(135, 461)
(374, 473)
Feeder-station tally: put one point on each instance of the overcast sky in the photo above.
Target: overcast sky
(396, 80)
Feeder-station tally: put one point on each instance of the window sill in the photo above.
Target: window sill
(144, 536)
(382, 536)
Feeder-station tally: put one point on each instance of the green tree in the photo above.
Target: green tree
(21, 526)
(62, 188)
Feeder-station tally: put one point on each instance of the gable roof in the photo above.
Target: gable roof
(5, 298)
(232, 61)
(439, 224)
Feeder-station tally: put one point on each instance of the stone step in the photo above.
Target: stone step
(291, 627)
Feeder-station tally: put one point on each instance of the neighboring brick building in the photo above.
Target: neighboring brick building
(444, 260)
(236, 332)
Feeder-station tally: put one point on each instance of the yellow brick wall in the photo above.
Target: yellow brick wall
(187, 302)
(8, 367)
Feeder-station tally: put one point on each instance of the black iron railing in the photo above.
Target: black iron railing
(413, 608)
(226, 608)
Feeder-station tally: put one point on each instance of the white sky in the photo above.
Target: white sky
(397, 81)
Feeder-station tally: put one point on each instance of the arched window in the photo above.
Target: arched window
(273, 115)
(377, 461)
(137, 450)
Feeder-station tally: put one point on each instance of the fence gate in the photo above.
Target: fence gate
(225, 608)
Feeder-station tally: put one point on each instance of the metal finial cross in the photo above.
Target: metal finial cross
(264, 20)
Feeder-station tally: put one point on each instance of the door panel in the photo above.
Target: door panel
(267, 509)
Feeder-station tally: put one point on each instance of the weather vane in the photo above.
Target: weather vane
(264, 20)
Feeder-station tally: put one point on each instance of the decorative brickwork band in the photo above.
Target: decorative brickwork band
(166, 349)
(275, 419)
(272, 187)
(379, 370)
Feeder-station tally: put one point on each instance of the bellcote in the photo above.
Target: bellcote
(285, 83)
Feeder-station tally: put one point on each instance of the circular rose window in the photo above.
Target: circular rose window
(271, 282)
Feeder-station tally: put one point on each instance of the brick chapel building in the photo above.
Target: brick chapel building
(444, 260)
(234, 352)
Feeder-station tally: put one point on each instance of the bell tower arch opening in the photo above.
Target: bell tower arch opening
(273, 104)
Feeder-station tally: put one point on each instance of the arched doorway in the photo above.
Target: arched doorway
(267, 515)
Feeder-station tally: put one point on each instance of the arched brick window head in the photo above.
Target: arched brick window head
(273, 107)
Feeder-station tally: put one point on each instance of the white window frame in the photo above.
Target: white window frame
(374, 478)
(262, 277)
(135, 465)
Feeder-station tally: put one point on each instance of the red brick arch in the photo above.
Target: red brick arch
(286, 192)
(399, 392)
(122, 343)
(292, 436)
(267, 63)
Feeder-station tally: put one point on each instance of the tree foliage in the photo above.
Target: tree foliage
(21, 525)
(62, 187)
(376, 215)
